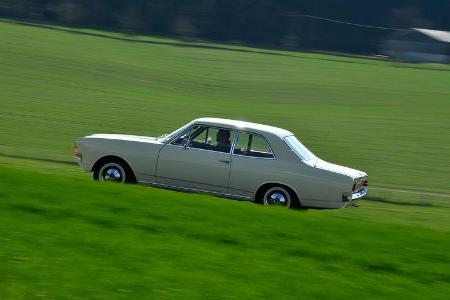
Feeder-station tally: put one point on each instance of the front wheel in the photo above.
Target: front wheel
(113, 171)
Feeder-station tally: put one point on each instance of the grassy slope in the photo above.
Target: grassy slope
(389, 120)
(66, 238)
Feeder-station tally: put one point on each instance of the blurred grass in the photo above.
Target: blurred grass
(390, 120)
(69, 239)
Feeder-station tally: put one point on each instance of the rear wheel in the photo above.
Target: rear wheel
(280, 196)
(113, 171)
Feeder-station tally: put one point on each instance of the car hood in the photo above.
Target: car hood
(124, 137)
(324, 165)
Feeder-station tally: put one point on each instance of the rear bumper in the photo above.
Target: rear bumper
(348, 198)
(359, 194)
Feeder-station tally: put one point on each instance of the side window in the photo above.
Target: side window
(211, 138)
(200, 136)
(254, 145)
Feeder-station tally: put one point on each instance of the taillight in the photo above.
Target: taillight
(75, 150)
(358, 183)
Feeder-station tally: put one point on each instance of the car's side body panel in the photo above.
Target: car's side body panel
(141, 155)
(249, 173)
(193, 168)
(311, 185)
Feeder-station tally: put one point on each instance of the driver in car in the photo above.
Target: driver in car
(223, 140)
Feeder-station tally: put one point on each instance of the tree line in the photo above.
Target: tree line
(266, 23)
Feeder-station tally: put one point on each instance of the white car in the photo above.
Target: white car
(234, 159)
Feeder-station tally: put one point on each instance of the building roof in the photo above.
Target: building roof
(443, 36)
(242, 125)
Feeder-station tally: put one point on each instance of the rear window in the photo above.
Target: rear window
(298, 148)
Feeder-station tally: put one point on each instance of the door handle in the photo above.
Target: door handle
(224, 161)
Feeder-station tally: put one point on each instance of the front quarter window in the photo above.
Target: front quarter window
(298, 148)
(179, 131)
(181, 140)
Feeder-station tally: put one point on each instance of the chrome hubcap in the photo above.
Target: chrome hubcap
(277, 196)
(112, 172)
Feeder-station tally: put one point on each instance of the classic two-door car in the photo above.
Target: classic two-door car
(234, 159)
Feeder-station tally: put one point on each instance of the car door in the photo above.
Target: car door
(197, 159)
(253, 163)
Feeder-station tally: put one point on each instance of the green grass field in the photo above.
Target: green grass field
(64, 236)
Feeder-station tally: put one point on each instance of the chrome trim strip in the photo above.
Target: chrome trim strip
(192, 148)
(193, 182)
(246, 156)
(235, 139)
(193, 189)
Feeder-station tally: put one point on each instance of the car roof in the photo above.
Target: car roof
(243, 125)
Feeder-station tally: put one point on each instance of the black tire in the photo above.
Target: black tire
(114, 170)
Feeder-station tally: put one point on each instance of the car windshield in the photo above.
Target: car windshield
(298, 148)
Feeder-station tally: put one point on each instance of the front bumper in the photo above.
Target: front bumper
(359, 194)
